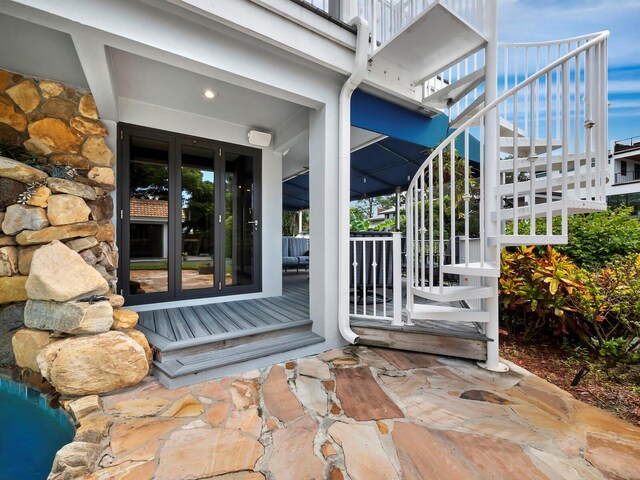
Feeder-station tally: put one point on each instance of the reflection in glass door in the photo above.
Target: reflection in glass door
(241, 222)
(197, 253)
(148, 215)
(190, 217)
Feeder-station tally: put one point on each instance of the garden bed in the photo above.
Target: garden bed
(615, 390)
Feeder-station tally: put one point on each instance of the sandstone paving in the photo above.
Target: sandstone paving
(278, 398)
(361, 396)
(296, 440)
(449, 420)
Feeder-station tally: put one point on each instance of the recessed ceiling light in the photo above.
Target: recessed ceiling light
(210, 94)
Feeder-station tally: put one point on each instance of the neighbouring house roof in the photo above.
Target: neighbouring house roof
(148, 208)
(144, 207)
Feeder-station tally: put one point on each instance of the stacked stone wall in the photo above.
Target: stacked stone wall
(58, 260)
(59, 125)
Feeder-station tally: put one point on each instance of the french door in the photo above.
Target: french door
(190, 217)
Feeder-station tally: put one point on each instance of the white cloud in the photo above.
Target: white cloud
(537, 20)
(624, 86)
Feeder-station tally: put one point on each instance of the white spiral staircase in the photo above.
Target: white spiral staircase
(542, 148)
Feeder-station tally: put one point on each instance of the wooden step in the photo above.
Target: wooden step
(473, 269)
(205, 361)
(438, 338)
(452, 293)
(452, 93)
(447, 313)
(168, 351)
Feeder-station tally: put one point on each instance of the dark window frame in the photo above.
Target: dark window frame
(174, 293)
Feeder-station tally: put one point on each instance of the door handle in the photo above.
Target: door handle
(255, 224)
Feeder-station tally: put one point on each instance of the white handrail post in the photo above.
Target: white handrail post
(397, 278)
(491, 154)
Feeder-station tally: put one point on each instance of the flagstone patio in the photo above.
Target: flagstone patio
(365, 414)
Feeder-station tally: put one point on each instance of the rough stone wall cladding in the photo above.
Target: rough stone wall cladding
(58, 123)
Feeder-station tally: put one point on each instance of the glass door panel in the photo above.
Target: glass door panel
(241, 223)
(149, 216)
(198, 215)
(189, 212)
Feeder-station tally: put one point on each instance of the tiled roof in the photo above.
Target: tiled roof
(143, 207)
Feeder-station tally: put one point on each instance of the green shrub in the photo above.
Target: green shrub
(609, 306)
(535, 292)
(597, 238)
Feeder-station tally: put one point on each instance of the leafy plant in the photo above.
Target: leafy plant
(25, 196)
(535, 291)
(359, 223)
(610, 309)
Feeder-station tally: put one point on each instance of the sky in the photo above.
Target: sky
(540, 20)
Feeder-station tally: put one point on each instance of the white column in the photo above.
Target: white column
(490, 168)
(323, 201)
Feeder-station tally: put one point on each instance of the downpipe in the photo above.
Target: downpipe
(344, 175)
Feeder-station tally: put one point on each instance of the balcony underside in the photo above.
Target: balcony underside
(433, 41)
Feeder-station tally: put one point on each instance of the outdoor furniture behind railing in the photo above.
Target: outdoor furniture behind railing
(447, 278)
(295, 253)
(375, 276)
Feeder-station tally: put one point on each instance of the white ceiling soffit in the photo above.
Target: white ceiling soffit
(148, 81)
(38, 51)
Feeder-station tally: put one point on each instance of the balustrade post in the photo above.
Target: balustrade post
(397, 278)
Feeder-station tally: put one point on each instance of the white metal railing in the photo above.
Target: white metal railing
(376, 277)
(518, 61)
(563, 157)
(388, 17)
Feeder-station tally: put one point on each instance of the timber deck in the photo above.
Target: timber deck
(171, 328)
(190, 343)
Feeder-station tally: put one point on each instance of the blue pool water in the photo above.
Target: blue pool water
(30, 432)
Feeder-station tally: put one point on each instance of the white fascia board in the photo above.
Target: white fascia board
(285, 25)
(153, 33)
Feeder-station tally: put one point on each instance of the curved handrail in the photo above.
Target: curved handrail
(599, 37)
(551, 43)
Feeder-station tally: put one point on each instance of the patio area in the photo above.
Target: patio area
(363, 413)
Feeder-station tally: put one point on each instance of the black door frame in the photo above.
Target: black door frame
(174, 256)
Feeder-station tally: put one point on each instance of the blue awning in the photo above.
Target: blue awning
(389, 163)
